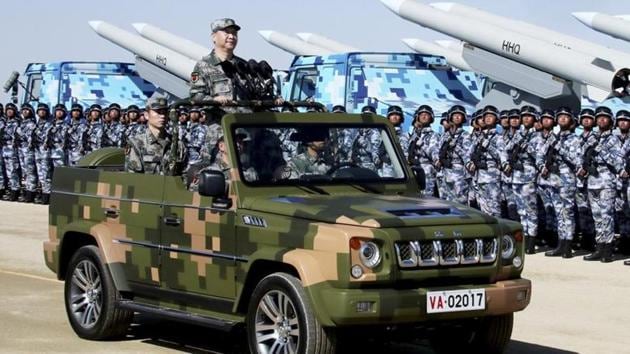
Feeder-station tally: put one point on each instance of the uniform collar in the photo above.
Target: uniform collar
(213, 59)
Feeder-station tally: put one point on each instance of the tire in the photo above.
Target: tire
(488, 335)
(298, 332)
(91, 298)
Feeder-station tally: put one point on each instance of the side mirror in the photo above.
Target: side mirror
(420, 177)
(211, 183)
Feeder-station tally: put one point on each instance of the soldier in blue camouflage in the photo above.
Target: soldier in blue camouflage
(133, 126)
(486, 161)
(423, 145)
(439, 173)
(77, 138)
(112, 129)
(151, 151)
(508, 200)
(25, 152)
(622, 209)
(602, 163)
(522, 150)
(546, 213)
(365, 145)
(41, 145)
(626, 174)
(476, 136)
(195, 139)
(584, 214)
(10, 151)
(395, 115)
(183, 122)
(94, 132)
(453, 153)
(3, 123)
(558, 161)
(59, 137)
(312, 161)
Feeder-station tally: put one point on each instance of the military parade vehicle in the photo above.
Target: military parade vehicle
(297, 250)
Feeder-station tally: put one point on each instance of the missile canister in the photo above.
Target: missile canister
(326, 43)
(610, 25)
(171, 41)
(292, 44)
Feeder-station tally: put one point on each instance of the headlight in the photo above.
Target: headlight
(370, 254)
(508, 247)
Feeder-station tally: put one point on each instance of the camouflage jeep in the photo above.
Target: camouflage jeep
(295, 247)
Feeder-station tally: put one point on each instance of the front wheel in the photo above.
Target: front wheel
(91, 298)
(281, 320)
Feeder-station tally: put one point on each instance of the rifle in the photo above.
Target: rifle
(515, 153)
(445, 155)
(477, 156)
(411, 151)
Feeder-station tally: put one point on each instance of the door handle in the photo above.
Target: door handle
(172, 220)
(111, 212)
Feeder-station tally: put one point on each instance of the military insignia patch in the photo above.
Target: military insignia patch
(194, 76)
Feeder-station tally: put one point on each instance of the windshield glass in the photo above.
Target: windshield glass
(316, 153)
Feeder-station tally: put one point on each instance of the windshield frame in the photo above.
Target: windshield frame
(299, 182)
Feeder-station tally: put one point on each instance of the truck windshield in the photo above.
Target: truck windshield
(316, 153)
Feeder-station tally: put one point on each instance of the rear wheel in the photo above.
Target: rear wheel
(280, 319)
(91, 298)
(487, 335)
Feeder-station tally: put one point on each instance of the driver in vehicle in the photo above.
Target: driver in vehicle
(311, 161)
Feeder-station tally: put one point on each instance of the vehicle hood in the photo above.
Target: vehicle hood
(376, 211)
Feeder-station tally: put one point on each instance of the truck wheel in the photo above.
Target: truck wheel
(280, 319)
(91, 298)
(487, 335)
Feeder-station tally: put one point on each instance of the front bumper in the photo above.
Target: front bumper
(338, 307)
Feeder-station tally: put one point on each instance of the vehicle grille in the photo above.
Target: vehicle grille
(420, 254)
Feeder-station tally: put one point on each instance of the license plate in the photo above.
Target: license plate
(456, 300)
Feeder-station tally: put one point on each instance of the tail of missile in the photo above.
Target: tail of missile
(291, 44)
(326, 43)
(610, 25)
(171, 41)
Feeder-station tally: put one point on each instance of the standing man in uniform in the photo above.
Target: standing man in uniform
(584, 215)
(26, 153)
(508, 201)
(486, 162)
(133, 126)
(59, 137)
(453, 152)
(559, 160)
(76, 135)
(622, 209)
(10, 151)
(195, 139)
(396, 116)
(41, 145)
(112, 129)
(94, 132)
(547, 214)
(150, 151)
(423, 143)
(602, 163)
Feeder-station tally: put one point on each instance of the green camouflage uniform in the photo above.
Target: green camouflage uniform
(305, 164)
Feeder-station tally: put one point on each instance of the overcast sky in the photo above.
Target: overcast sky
(45, 30)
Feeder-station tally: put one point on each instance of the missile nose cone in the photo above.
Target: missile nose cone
(304, 36)
(444, 6)
(266, 34)
(393, 5)
(95, 24)
(139, 26)
(585, 17)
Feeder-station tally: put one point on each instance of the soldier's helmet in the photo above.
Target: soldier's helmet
(133, 108)
(368, 109)
(60, 107)
(424, 109)
(28, 107)
(43, 106)
(95, 107)
(395, 110)
(504, 114)
(11, 106)
(587, 113)
(77, 108)
(490, 109)
(194, 109)
(477, 115)
(115, 106)
(606, 112)
(529, 110)
(338, 109)
(514, 113)
(548, 113)
(456, 109)
(564, 110)
(622, 114)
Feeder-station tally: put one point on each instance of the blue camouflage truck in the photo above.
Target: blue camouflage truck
(85, 83)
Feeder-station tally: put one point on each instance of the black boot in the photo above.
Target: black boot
(530, 245)
(567, 251)
(627, 262)
(558, 251)
(13, 196)
(28, 197)
(45, 198)
(607, 253)
(597, 255)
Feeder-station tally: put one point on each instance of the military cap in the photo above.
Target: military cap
(456, 109)
(394, 110)
(368, 109)
(95, 107)
(338, 109)
(183, 110)
(424, 108)
(76, 107)
(133, 108)
(622, 114)
(43, 106)
(60, 107)
(11, 106)
(514, 113)
(28, 107)
(564, 110)
(194, 109)
(548, 113)
(587, 113)
(157, 102)
(504, 114)
(603, 111)
(529, 110)
(223, 23)
(490, 109)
